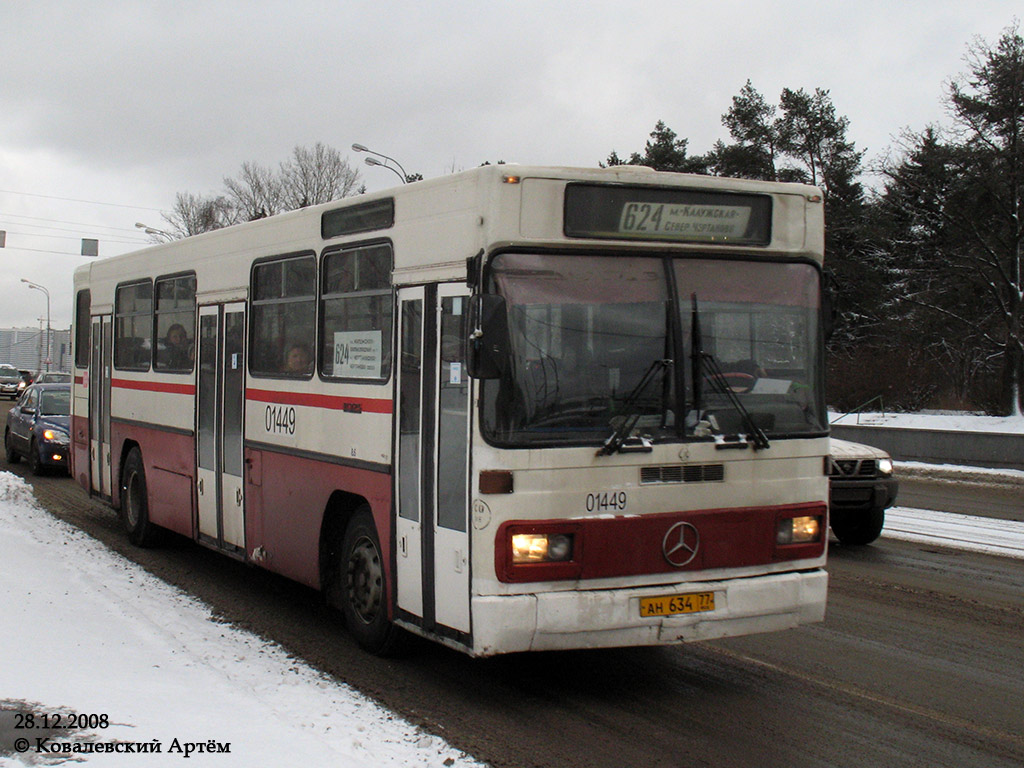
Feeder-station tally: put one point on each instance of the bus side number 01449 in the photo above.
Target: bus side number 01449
(280, 418)
(603, 502)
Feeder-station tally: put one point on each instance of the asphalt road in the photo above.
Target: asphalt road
(1004, 501)
(920, 662)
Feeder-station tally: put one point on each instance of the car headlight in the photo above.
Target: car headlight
(884, 466)
(56, 436)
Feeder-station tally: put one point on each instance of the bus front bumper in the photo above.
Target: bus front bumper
(611, 617)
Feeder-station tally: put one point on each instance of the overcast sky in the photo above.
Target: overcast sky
(110, 108)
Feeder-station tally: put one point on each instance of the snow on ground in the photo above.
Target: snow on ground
(977, 534)
(951, 420)
(84, 631)
(960, 474)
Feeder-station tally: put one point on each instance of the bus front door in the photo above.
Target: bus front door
(219, 410)
(431, 489)
(100, 360)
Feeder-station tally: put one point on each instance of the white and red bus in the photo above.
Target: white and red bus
(511, 409)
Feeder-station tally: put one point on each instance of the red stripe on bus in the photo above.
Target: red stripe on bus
(331, 402)
(154, 386)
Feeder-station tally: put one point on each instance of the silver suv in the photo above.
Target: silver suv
(862, 487)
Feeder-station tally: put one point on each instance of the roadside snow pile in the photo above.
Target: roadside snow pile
(958, 474)
(15, 492)
(91, 639)
(947, 420)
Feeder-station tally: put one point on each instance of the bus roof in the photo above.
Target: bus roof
(451, 218)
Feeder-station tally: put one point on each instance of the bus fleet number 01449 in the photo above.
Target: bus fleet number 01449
(606, 501)
(280, 419)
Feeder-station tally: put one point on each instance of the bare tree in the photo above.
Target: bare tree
(256, 193)
(316, 175)
(193, 214)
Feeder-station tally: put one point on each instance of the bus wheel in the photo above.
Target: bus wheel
(135, 503)
(362, 586)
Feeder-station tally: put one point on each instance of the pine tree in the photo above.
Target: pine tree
(663, 152)
(961, 196)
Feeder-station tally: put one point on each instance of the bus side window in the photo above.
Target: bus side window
(133, 309)
(356, 311)
(175, 314)
(283, 314)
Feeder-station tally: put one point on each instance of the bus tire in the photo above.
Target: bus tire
(361, 587)
(135, 502)
(857, 530)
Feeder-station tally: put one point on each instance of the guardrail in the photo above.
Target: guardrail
(940, 446)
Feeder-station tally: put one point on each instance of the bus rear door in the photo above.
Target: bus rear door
(99, 406)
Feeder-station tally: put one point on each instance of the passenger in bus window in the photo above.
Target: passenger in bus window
(177, 347)
(299, 360)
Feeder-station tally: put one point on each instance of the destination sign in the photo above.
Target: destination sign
(657, 213)
(688, 221)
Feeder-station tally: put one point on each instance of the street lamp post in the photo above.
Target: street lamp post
(38, 287)
(154, 231)
(375, 162)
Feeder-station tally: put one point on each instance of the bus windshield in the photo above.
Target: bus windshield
(599, 341)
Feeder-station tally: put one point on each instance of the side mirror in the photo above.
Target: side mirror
(489, 345)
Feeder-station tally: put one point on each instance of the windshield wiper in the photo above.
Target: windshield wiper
(620, 434)
(705, 363)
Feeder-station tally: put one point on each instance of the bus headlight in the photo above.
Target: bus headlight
(542, 550)
(798, 530)
(541, 547)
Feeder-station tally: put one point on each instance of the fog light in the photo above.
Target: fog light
(798, 530)
(541, 547)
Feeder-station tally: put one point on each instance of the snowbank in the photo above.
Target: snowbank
(86, 632)
(950, 420)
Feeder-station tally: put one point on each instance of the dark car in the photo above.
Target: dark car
(862, 487)
(38, 427)
(10, 379)
(27, 377)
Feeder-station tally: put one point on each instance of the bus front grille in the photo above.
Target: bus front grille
(683, 473)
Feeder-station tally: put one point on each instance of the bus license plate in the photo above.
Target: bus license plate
(673, 605)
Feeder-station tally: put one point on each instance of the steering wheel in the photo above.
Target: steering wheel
(738, 381)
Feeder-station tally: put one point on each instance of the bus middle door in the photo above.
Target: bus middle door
(219, 414)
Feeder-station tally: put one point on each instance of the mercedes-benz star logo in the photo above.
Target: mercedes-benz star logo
(681, 544)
